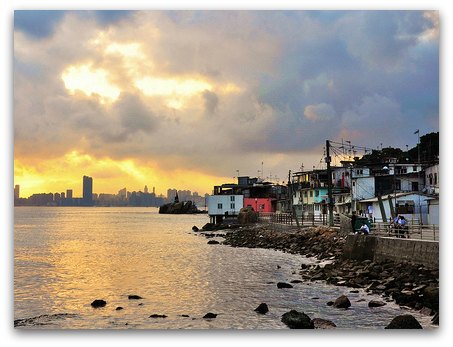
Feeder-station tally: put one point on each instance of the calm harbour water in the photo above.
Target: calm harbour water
(64, 258)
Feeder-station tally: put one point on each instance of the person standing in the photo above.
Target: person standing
(353, 220)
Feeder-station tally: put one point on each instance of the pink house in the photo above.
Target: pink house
(261, 204)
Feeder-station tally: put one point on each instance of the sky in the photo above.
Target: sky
(191, 99)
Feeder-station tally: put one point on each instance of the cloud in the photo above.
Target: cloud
(319, 112)
(38, 24)
(217, 91)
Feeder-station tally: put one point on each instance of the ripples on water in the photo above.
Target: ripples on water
(64, 258)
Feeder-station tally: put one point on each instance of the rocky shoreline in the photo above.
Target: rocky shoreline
(406, 284)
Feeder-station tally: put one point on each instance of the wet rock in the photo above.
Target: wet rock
(210, 315)
(213, 242)
(284, 285)
(209, 227)
(320, 323)
(376, 303)
(98, 303)
(342, 302)
(426, 311)
(297, 320)
(119, 308)
(158, 316)
(329, 303)
(296, 281)
(195, 228)
(247, 216)
(262, 308)
(431, 297)
(134, 297)
(435, 319)
(185, 315)
(405, 321)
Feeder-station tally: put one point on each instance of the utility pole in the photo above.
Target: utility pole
(329, 183)
(418, 176)
(290, 193)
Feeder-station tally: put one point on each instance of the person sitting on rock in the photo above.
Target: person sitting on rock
(364, 229)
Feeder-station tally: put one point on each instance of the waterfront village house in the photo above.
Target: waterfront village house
(309, 193)
(432, 187)
(411, 205)
(229, 198)
(432, 180)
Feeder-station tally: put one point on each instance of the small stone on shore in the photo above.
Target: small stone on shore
(98, 303)
(210, 315)
(262, 308)
(284, 285)
(134, 297)
(158, 316)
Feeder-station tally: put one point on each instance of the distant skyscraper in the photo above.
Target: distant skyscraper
(87, 189)
(16, 191)
(69, 193)
(146, 189)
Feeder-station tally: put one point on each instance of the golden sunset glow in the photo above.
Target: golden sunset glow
(109, 176)
(90, 82)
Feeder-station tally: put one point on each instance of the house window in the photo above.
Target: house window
(405, 207)
(305, 193)
(435, 178)
(311, 193)
(317, 207)
(219, 206)
(430, 176)
(232, 198)
(262, 207)
(414, 186)
(232, 206)
(414, 168)
(316, 193)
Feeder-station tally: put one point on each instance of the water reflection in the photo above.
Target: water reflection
(67, 257)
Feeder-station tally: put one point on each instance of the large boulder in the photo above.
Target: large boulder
(405, 321)
(247, 216)
(342, 302)
(297, 320)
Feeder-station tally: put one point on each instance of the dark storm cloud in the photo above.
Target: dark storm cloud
(38, 24)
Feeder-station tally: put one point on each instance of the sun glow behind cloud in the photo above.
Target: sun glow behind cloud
(90, 81)
(176, 91)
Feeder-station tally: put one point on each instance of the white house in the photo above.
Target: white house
(433, 211)
(412, 206)
(225, 205)
(432, 179)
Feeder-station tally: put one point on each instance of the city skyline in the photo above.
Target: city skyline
(151, 96)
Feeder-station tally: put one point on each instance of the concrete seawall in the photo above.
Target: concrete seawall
(360, 247)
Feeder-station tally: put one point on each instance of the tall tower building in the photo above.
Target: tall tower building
(146, 189)
(87, 189)
(16, 192)
(69, 193)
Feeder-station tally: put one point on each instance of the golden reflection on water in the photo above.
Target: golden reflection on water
(93, 255)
